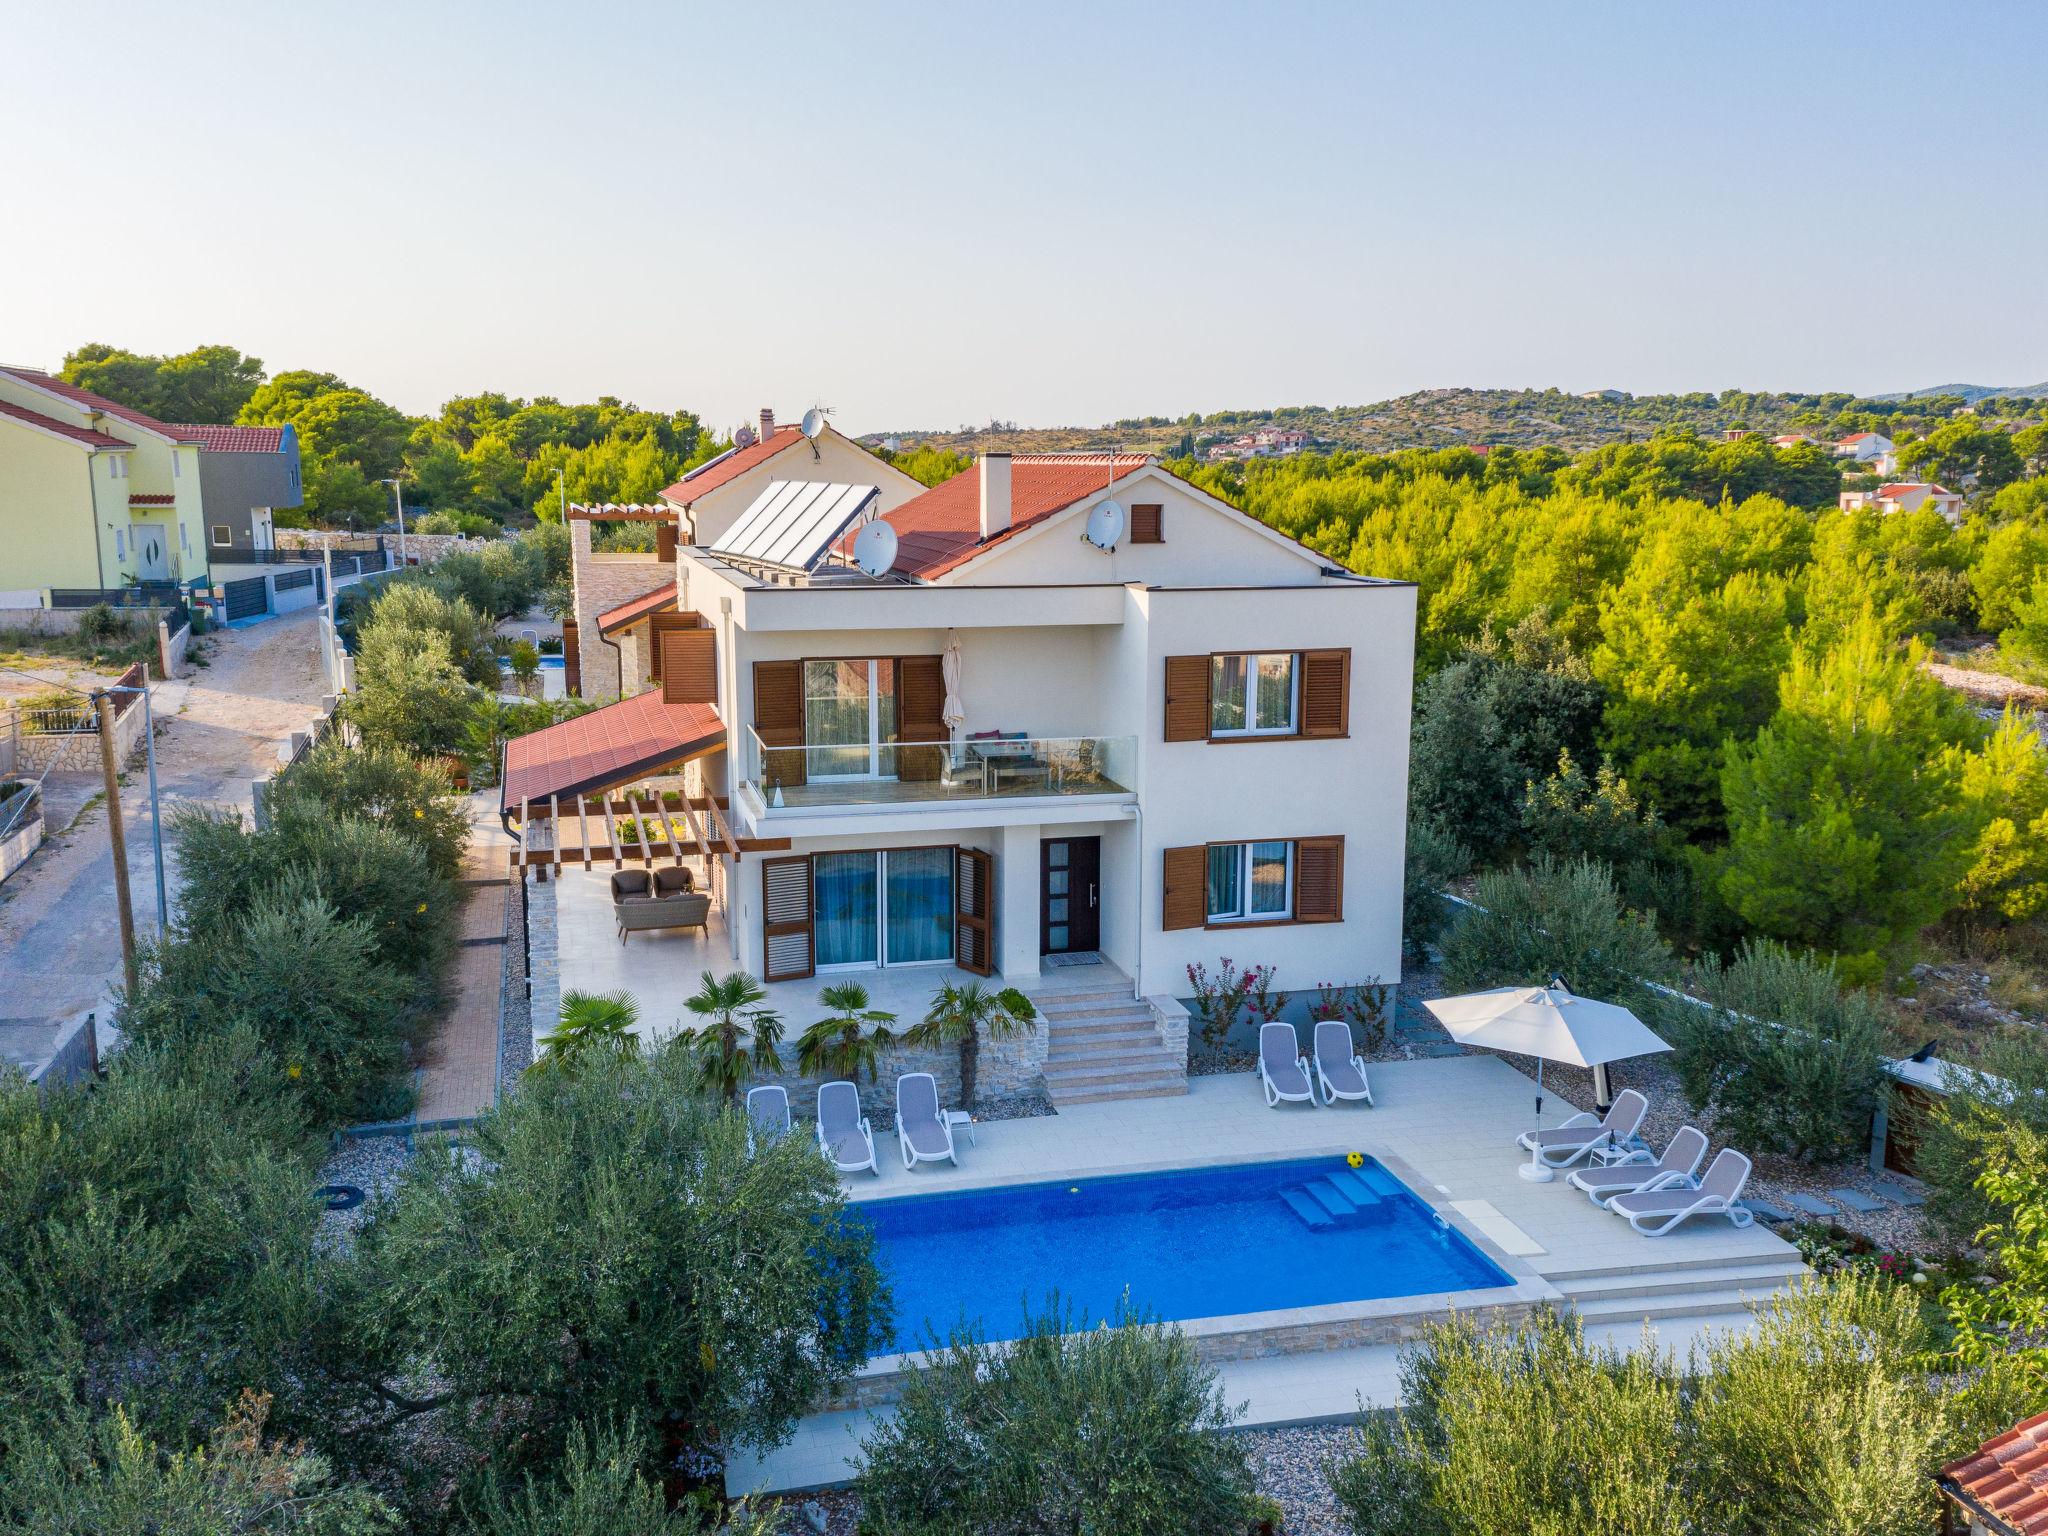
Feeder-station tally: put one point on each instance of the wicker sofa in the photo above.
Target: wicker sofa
(645, 899)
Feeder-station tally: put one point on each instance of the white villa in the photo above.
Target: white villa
(1068, 750)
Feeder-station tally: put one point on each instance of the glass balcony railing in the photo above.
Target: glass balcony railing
(988, 769)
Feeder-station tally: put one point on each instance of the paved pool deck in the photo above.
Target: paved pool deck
(1445, 1125)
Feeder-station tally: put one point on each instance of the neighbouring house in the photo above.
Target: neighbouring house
(608, 642)
(1029, 740)
(96, 496)
(2001, 1488)
(1265, 443)
(1863, 447)
(1905, 496)
(1791, 439)
(245, 475)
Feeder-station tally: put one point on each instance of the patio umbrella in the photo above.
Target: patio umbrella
(1549, 1024)
(954, 713)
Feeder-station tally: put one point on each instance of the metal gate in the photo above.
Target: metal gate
(246, 599)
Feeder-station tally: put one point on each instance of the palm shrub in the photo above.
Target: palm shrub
(850, 1040)
(1784, 1059)
(1820, 1418)
(738, 1037)
(1554, 918)
(959, 1014)
(1118, 1427)
(382, 784)
(591, 1024)
(1527, 1431)
(305, 981)
(611, 1247)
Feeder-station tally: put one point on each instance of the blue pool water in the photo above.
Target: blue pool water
(1197, 1242)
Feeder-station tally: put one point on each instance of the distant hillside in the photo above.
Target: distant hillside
(1972, 393)
(1432, 418)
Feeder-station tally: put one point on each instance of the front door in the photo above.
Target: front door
(152, 552)
(1069, 895)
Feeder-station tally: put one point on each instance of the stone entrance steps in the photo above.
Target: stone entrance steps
(1102, 1045)
(1697, 1288)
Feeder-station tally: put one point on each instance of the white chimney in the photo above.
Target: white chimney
(767, 423)
(995, 493)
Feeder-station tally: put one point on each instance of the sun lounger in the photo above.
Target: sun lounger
(1657, 1211)
(843, 1131)
(767, 1113)
(1578, 1136)
(1283, 1070)
(1339, 1068)
(920, 1124)
(1674, 1170)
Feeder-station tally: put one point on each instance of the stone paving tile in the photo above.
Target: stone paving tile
(458, 1075)
(1856, 1200)
(1808, 1205)
(1898, 1194)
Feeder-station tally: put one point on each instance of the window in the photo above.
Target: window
(893, 908)
(120, 545)
(184, 539)
(1146, 523)
(1249, 881)
(177, 466)
(849, 717)
(1252, 695)
(223, 536)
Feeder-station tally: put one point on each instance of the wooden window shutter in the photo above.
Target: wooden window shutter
(779, 719)
(920, 716)
(1319, 880)
(665, 542)
(1325, 693)
(689, 666)
(572, 659)
(1187, 698)
(973, 902)
(1146, 524)
(1184, 894)
(659, 627)
(786, 934)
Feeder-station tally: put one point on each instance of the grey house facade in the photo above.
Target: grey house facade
(245, 474)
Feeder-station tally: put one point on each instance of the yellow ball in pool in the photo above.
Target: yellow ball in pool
(1355, 1159)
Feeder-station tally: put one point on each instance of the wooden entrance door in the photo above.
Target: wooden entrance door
(1069, 895)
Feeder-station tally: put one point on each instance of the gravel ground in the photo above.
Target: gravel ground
(515, 1011)
(373, 1165)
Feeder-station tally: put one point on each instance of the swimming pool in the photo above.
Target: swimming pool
(1190, 1243)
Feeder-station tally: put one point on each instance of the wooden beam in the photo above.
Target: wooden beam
(598, 802)
(525, 834)
(596, 515)
(697, 831)
(612, 835)
(724, 830)
(548, 858)
(646, 830)
(583, 830)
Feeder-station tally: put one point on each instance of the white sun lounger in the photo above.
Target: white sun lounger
(1283, 1070)
(1674, 1170)
(920, 1125)
(1568, 1143)
(767, 1113)
(1340, 1070)
(843, 1131)
(1657, 1211)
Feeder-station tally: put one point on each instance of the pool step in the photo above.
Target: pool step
(1342, 1199)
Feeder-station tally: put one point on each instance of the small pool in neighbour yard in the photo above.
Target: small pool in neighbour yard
(1189, 1243)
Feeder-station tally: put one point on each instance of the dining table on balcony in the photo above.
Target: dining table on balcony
(1019, 762)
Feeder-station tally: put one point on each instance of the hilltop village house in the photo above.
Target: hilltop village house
(1015, 734)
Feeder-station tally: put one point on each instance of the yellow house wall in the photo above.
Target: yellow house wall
(46, 511)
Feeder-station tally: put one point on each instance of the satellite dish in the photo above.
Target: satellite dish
(814, 424)
(1105, 524)
(744, 438)
(874, 549)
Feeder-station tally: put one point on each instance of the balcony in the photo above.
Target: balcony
(900, 773)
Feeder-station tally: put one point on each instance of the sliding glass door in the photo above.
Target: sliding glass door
(887, 908)
(850, 718)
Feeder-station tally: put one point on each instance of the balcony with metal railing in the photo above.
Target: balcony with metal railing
(811, 778)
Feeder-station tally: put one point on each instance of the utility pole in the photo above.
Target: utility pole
(117, 835)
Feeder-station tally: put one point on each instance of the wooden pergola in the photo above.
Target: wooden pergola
(563, 831)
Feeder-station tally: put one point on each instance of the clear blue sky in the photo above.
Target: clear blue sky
(925, 215)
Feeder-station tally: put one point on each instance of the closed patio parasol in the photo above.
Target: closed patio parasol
(955, 713)
(1550, 1024)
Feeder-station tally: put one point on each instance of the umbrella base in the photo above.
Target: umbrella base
(1536, 1173)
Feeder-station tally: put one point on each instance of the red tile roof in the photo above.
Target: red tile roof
(723, 470)
(660, 600)
(2006, 1479)
(612, 745)
(1901, 487)
(230, 439)
(152, 499)
(1853, 437)
(84, 435)
(942, 528)
(86, 397)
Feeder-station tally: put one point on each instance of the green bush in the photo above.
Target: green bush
(1435, 859)
(1521, 1433)
(1785, 1060)
(414, 606)
(499, 581)
(1954, 1141)
(410, 694)
(376, 875)
(307, 983)
(1553, 918)
(379, 784)
(599, 1492)
(1118, 1427)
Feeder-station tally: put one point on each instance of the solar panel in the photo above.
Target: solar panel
(793, 523)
